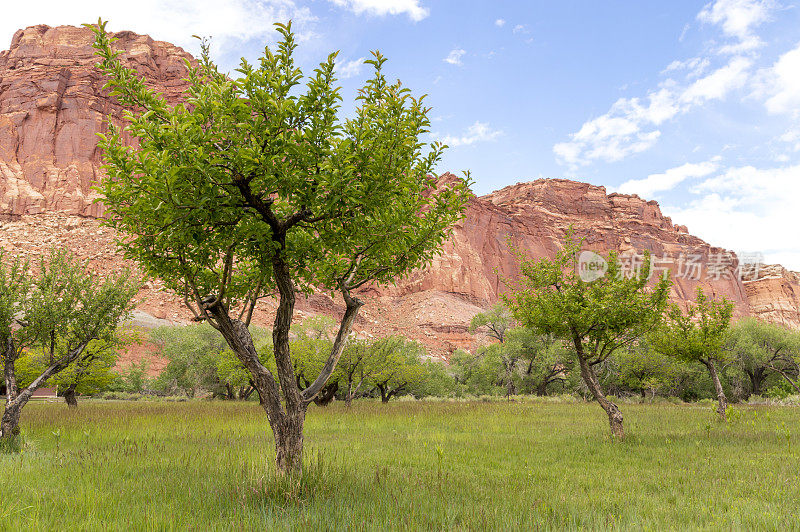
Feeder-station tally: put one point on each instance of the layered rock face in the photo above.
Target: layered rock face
(52, 105)
(774, 295)
(535, 217)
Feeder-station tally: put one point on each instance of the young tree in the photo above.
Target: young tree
(256, 187)
(598, 317)
(698, 335)
(61, 311)
(762, 348)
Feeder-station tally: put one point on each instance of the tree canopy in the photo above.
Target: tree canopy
(598, 316)
(254, 186)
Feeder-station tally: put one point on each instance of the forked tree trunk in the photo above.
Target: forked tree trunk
(589, 377)
(722, 401)
(69, 397)
(285, 417)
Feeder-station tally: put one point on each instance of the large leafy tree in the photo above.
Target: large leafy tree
(761, 348)
(496, 323)
(545, 359)
(598, 317)
(399, 366)
(256, 187)
(60, 311)
(698, 335)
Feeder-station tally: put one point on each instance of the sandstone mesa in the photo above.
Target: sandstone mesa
(52, 105)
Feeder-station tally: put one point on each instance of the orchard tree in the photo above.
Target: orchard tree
(59, 311)
(761, 348)
(91, 374)
(358, 364)
(598, 317)
(255, 187)
(698, 335)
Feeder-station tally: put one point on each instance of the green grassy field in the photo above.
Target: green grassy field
(425, 465)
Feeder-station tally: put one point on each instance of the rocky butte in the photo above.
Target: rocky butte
(52, 105)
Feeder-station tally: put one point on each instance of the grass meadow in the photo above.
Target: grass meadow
(529, 464)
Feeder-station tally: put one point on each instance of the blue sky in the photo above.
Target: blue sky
(694, 104)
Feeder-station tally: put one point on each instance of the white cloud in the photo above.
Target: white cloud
(412, 8)
(520, 28)
(620, 132)
(748, 208)
(792, 137)
(230, 23)
(654, 183)
(454, 57)
(738, 18)
(500, 22)
(348, 69)
(694, 66)
(719, 83)
(631, 125)
(477, 132)
(780, 84)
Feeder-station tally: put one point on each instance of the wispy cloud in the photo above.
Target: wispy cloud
(780, 84)
(737, 18)
(348, 69)
(412, 8)
(747, 208)
(500, 22)
(454, 57)
(477, 132)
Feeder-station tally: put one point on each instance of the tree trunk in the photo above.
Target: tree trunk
(589, 377)
(69, 397)
(285, 417)
(9, 424)
(16, 399)
(541, 388)
(722, 401)
(289, 442)
(757, 381)
(384, 389)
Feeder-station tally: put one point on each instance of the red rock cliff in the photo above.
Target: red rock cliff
(52, 105)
